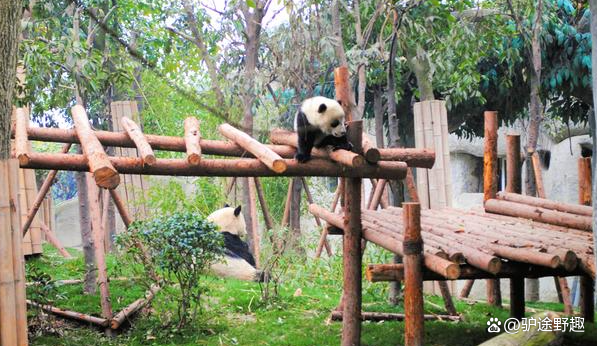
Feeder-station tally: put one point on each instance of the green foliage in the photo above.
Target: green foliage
(180, 248)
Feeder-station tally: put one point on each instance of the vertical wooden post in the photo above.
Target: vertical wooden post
(514, 185)
(256, 238)
(98, 243)
(584, 181)
(8, 314)
(351, 297)
(17, 253)
(413, 275)
(587, 298)
(587, 284)
(351, 322)
(490, 174)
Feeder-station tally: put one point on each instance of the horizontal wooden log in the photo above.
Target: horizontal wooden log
(221, 167)
(546, 203)
(259, 150)
(192, 139)
(346, 158)
(392, 272)
(389, 316)
(137, 136)
(539, 214)
(104, 173)
(135, 306)
(21, 137)
(473, 256)
(102, 322)
(414, 157)
(471, 236)
(432, 262)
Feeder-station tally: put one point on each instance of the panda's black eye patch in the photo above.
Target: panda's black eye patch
(322, 108)
(335, 123)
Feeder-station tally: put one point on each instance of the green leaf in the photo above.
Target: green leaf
(251, 4)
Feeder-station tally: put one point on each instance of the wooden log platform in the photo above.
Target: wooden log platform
(491, 245)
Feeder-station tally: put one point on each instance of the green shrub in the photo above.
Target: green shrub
(180, 247)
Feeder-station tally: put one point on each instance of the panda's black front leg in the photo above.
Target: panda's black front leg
(305, 139)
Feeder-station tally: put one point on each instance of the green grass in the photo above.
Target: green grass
(233, 314)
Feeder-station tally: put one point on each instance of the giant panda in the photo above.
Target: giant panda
(319, 122)
(238, 262)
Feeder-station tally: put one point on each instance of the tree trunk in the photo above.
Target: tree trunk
(536, 114)
(593, 118)
(420, 65)
(295, 214)
(378, 111)
(10, 20)
(89, 286)
(393, 126)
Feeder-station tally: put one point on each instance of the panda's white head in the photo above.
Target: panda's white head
(229, 220)
(325, 114)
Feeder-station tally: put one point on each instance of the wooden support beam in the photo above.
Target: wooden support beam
(104, 173)
(98, 244)
(447, 297)
(310, 200)
(490, 187)
(514, 185)
(324, 233)
(192, 139)
(8, 313)
(121, 207)
(414, 157)
(466, 289)
(143, 148)
(377, 194)
(21, 140)
(18, 260)
(221, 167)
(52, 239)
(388, 316)
(587, 298)
(536, 161)
(255, 236)
(272, 160)
(414, 327)
(286, 215)
(41, 195)
(352, 261)
(267, 217)
(517, 297)
(513, 164)
(584, 181)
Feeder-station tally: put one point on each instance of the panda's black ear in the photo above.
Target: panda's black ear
(226, 205)
(322, 108)
(339, 102)
(237, 211)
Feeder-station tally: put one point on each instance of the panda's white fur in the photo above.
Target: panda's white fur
(231, 220)
(228, 221)
(334, 111)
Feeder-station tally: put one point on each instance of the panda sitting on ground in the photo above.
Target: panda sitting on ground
(319, 122)
(238, 262)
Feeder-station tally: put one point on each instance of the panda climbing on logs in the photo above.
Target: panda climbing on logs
(319, 122)
(238, 262)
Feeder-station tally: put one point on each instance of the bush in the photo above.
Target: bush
(180, 247)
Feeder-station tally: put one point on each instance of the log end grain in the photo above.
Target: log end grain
(23, 159)
(194, 159)
(452, 271)
(149, 160)
(279, 166)
(372, 155)
(106, 177)
(570, 260)
(495, 265)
